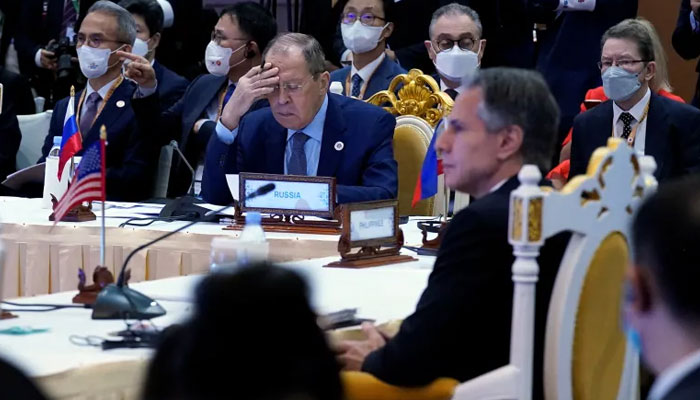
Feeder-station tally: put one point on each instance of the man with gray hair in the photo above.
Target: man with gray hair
(306, 130)
(505, 118)
(455, 46)
(106, 100)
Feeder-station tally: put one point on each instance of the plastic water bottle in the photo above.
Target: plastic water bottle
(252, 244)
(56, 148)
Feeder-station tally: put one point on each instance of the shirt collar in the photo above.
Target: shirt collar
(367, 71)
(673, 375)
(498, 185)
(443, 86)
(315, 128)
(102, 91)
(637, 110)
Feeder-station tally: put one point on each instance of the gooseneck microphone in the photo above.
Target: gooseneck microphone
(117, 301)
(176, 147)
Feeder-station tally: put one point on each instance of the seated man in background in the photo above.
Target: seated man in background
(505, 118)
(455, 45)
(365, 26)
(686, 37)
(107, 100)
(148, 15)
(654, 125)
(308, 131)
(237, 42)
(212, 357)
(662, 306)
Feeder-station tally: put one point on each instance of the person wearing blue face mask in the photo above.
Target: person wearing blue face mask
(653, 125)
(661, 309)
(365, 27)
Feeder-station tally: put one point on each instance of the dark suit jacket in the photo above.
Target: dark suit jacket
(10, 138)
(15, 385)
(672, 137)
(171, 86)
(462, 323)
(17, 94)
(364, 169)
(687, 43)
(36, 30)
(380, 80)
(131, 157)
(687, 389)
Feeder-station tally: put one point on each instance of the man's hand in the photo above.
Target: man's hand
(139, 70)
(352, 353)
(251, 87)
(695, 6)
(48, 60)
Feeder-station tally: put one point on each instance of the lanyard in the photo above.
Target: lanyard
(631, 138)
(222, 97)
(102, 106)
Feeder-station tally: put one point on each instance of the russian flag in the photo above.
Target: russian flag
(72, 141)
(432, 167)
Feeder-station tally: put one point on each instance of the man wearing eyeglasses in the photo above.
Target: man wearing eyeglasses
(237, 42)
(308, 131)
(455, 45)
(365, 27)
(107, 100)
(665, 129)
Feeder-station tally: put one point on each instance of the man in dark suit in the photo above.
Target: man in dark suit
(686, 37)
(455, 46)
(240, 35)
(568, 41)
(17, 95)
(461, 325)
(365, 27)
(148, 15)
(10, 138)
(307, 131)
(107, 100)
(661, 306)
(665, 129)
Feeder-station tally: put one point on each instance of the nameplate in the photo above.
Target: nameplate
(293, 195)
(373, 223)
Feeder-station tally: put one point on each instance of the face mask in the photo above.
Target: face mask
(620, 84)
(140, 47)
(94, 62)
(455, 63)
(359, 38)
(218, 58)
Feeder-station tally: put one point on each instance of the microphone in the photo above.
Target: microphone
(117, 301)
(176, 147)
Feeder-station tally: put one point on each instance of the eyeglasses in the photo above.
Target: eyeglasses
(217, 38)
(365, 19)
(466, 43)
(624, 64)
(291, 88)
(93, 40)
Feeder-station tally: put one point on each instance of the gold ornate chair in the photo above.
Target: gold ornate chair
(419, 105)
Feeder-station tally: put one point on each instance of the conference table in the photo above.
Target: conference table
(42, 263)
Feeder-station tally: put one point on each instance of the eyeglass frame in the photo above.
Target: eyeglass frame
(296, 88)
(616, 63)
(454, 42)
(219, 40)
(90, 41)
(344, 15)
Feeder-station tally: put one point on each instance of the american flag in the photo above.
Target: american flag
(89, 181)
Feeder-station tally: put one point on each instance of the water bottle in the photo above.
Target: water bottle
(252, 245)
(56, 148)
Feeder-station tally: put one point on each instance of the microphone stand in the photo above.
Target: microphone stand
(183, 206)
(118, 301)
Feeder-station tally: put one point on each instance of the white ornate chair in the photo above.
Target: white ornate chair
(586, 354)
(34, 128)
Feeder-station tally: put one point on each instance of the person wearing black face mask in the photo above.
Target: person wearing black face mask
(654, 125)
(148, 15)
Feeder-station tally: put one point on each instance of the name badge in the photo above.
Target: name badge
(293, 195)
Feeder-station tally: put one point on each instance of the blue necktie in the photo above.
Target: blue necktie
(87, 117)
(229, 93)
(297, 161)
(356, 85)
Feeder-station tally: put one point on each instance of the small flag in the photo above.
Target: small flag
(72, 141)
(89, 181)
(427, 183)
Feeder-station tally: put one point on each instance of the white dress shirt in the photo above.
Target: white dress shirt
(673, 375)
(637, 112)
(443, 86)
(366, 71)
(101, 91)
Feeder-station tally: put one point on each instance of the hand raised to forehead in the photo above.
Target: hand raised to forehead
(255, 84)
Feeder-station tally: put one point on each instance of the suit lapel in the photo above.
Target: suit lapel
(657, 135)
(202, 98)
(275, 145)
(111, 113)
(333, 132)
(380, 76)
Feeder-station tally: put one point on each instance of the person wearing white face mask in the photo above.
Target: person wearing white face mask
(107, 31)
(652, 124)
(455, 45)
(237, 41)
(365, 27)
(148, 15)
